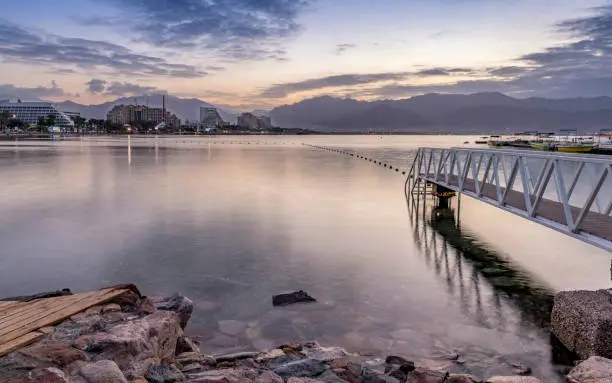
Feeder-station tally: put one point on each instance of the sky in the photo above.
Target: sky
(257, 54)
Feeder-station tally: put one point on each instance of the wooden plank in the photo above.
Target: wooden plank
(36, 308)
(57, 315)
(6, 305)
(43, 309)
(19, 342)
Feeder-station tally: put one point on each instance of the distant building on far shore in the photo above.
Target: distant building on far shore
(132, 114)
(251, 121)
(210, 118)
(29, 112)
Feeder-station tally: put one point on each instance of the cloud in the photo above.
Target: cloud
(341, 48)
(129, 89)
(282, 90)
(20, 45)
(10, 91)
(580, 67)
(239, 29)
(117, 88)
(96, 85)
(508, 71)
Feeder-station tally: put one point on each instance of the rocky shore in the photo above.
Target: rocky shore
(138, 339)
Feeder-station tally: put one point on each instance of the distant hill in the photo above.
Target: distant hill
(458, 112)
(380, 116)
(184, 108)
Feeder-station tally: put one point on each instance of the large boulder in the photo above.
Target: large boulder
(593, 370)
(513, 379)
(177, 303)
(582, 321)
(138, 344)
(58, 354)
(102, 371)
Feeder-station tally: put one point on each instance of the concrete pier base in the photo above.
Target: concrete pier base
(582, 321)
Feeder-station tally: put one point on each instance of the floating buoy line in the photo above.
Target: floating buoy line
(358, 156)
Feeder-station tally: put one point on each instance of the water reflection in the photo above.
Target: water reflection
(486, 283)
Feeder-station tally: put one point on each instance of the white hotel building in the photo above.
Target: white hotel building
(28, 112)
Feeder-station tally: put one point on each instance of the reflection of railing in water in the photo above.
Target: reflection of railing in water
(467, 266)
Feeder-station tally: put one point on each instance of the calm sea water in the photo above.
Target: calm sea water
(231, 221)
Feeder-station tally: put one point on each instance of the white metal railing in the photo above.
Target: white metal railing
(571, 193)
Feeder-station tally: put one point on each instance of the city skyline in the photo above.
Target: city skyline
(263, 53)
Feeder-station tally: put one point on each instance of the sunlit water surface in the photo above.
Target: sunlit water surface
(231, 221)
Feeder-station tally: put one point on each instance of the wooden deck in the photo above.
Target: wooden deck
(22, 323)
(594, 223)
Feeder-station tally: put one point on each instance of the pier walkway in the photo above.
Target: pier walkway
(568, 193)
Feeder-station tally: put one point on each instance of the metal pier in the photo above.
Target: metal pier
(570, 193)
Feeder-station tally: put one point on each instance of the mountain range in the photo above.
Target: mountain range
(478, 112)
(184, 108)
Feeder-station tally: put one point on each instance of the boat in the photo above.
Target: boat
(574, 147)
(542, 145)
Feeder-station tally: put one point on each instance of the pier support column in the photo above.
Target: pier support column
(443, 195)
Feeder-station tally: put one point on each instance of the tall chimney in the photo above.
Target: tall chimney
(164, 107)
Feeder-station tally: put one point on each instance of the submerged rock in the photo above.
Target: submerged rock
(593, 370)
(292, 298)
(232, 327)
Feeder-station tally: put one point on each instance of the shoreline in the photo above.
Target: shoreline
(134, 338)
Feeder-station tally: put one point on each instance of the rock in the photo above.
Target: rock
(59, 354)
(164, 373)
(582, 321)
(236, 356)
(193, 367)
(232, 327)
(394, 359)
(135, 345)
(102, 371)
(189, 357)
(398, 374)
(302, 368)
(268, 377)
(145, 306)
(272, 354)
(185, 344)
(372, 376)
(301, 380)
(325, 354)
(111, 307)
(138, 379)
(421, 375)
(521, 369)
(180, 304)
(593, 370)
(462, 378)
(292, 298)
(513, 379)
(228, 375)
